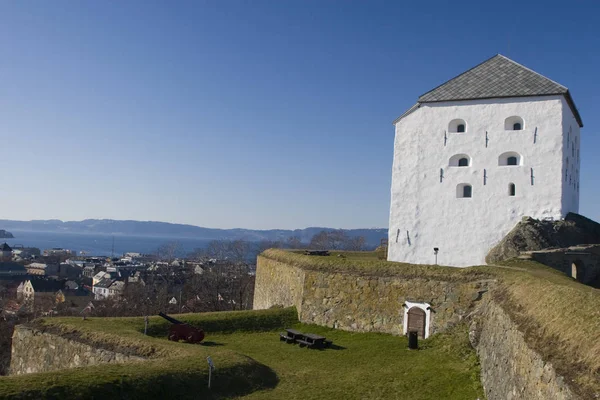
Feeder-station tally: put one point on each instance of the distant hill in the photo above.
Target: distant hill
(5, 235)
(165, 229)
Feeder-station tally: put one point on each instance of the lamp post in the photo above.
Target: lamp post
(435, 251)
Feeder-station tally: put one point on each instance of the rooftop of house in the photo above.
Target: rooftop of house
(497, 77)
(37, 265)
(102, 275)
(12, 268)
(47, 285)
(104, 283)
(5, 247)
(117, 285)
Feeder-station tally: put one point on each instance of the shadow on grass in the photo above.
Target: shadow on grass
(211, 344)
(241, 381)
(331, 347)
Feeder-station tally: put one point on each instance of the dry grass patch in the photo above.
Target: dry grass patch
(367, 263)
(559, 317)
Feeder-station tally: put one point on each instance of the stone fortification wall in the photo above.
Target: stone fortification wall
(361, 302)
(366, 303)
(277, 284)
(510, 370)
(36, 351)
(582, 263)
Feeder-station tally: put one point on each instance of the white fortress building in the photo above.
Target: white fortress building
(474, 156)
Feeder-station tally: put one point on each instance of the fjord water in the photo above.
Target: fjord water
(101, 245)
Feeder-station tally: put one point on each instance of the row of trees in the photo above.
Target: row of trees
(244, 251)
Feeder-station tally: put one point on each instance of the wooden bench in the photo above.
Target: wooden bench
(316, 252)
(306, 343)
(283, 336)
(310, 340)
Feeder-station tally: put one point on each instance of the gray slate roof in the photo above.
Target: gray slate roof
(497, 77)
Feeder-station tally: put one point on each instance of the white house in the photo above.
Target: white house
(99, 277)
(475, 155)
(101, 288)
(25, 290)
(107, 287)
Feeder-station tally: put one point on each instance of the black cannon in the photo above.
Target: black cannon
(182, 331)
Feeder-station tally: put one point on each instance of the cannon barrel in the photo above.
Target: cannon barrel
(170, 319)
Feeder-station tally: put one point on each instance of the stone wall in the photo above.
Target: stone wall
(375, 304)
(277, 284)
(510, 370)
(358, 302)
(36, 351)
(579, 262)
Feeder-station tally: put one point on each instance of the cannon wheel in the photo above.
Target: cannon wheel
(173, 337)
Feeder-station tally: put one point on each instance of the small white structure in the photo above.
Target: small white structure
(474, 156)
(414, 313)
(25, 290)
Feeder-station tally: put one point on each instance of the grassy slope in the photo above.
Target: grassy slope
(174, 369)
(560, 317)
(364, 366)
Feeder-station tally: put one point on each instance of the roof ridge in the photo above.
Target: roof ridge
(530, 70)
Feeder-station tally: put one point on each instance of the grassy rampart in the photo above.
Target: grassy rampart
(368, 263)
(174, 370)
(559, 317)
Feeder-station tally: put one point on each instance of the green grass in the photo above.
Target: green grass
(366, 366)
(255, 364)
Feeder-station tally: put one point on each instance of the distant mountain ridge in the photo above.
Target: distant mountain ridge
(166, 229)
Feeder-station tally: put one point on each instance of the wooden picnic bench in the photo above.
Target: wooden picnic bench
(308, 340)
(316, 252)
(291, 336)
(313, 341)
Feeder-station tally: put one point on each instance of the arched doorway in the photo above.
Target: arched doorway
(577, 269)
(416, 321)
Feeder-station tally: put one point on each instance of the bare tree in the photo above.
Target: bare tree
(169, 251)
(294, 242)
(336, 240)
(356, 243)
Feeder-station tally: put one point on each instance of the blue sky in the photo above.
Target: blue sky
(255, 114)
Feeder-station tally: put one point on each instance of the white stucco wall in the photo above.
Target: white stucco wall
(425, 213)
(571, 160)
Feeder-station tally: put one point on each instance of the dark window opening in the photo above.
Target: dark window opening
(512, 189)
(467, 191)
(517, 126)
(460, 128)
(463, 162)
(511, 160)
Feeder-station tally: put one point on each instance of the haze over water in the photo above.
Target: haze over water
(101, 245)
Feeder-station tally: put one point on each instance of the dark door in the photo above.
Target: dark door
(416, 321)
